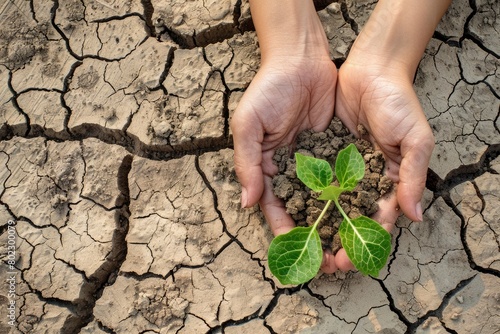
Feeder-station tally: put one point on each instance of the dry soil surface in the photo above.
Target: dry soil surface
(119, 206)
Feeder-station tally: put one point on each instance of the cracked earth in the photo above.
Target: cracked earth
(117, 171)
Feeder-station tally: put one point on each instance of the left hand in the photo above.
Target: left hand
(383, 101)
(286, 97)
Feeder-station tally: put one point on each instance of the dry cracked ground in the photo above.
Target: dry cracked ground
(118, 188)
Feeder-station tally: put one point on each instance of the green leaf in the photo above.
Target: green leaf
(366, 243)
(316, 174)
(295, 257)
(349, 167)
(331, 193)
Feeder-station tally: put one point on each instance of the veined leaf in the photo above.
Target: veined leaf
(366, 243)
(295, 257)
(349, 167)
(316, 174)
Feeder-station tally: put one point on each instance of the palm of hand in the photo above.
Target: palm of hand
(285, 101)
(387, 106)
(282, 100)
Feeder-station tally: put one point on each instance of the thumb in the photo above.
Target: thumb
(247, 139)
(413, 172)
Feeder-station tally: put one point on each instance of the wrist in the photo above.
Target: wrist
(397, 33)
(288, 29)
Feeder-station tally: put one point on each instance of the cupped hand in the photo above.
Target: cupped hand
(383, 100)
(287, 96)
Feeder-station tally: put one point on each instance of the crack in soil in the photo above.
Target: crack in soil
(438, 313)
(463, 237)
(105, 274)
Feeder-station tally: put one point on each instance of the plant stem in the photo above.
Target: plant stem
(346, 218)
(322, 214)
(337, 204)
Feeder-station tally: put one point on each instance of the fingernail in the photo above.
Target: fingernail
(418, 211)
(243, 198)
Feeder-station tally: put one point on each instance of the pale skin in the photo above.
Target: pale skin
(298, 87)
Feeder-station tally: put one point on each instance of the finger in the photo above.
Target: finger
(342, 261)
(247, 139)
(413, 173)
(388, 211)
(274, 210)
(391, 169)
(328, 265)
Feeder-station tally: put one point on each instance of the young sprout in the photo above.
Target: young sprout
(295, 257)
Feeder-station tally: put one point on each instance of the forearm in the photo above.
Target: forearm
(398, 31)
(288, 28)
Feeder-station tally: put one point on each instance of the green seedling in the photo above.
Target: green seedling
(295, 257)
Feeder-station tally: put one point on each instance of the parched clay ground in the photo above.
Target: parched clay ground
(117, 171)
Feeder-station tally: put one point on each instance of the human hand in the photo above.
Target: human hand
(286, 97)
(382, 99)
(294, 90)
(375, 90)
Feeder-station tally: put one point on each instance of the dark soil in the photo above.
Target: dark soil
(301, 202)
